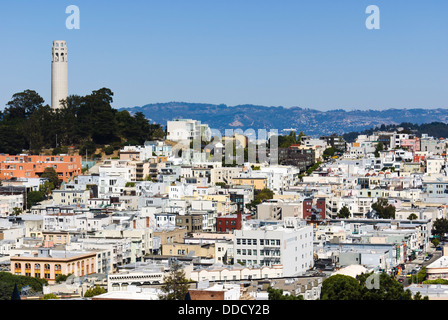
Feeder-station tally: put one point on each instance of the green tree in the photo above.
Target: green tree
(379, 147)
(440, 227)
(16, 211)
(288, 140)
(29, 125)
(97, 290)
(259, 197)
(89, 148)
(8, 280)
(108, 150)
(23, 104)
(277, 294)
(418, 296)
(59, 150)
(341, 287)
(49, 296)
(313, 168)
(344, 213)
(384, 210)
(412, 216)
(175, 285)
(329, 152)
(61, 277)
(46, 188)
(34, 197)
(435, 281)
(221, 184)
(419, 277)
(389, 288)
(52, 176)
(435, 242)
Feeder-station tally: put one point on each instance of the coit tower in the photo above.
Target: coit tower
(59, 74)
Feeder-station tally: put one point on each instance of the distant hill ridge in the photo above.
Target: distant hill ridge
(310, 121)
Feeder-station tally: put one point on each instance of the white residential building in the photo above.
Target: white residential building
(287, 243)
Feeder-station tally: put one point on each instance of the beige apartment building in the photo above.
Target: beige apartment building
(257, 183)
(48, 264)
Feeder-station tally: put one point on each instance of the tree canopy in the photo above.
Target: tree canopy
(97, 290)
(389, 288)
(342, 287)
(29, 124)
(9, 280)
(344, 213)
(383, 209)
(440, 227)
(260, 196)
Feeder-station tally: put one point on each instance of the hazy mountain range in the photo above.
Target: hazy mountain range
(311, 122)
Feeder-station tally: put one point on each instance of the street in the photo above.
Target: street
(419, 262)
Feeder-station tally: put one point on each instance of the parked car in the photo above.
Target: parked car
(427, 258)
(439, 248)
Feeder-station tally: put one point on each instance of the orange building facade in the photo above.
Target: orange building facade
(32, 166)
(50, 267)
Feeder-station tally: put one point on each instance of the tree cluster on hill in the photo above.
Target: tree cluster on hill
(85, 122)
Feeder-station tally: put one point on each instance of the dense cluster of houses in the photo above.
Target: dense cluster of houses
(123, 222)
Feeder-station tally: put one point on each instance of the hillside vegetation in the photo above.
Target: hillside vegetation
(85, 122)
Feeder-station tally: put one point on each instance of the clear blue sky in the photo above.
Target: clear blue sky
(314, 53)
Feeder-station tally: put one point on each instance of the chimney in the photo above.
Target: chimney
(134, 222)
(147, 222)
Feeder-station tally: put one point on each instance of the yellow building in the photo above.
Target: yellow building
(257, 183)
(222, 202)
(48, 264)
(183, 249)
(57, 237)
(175, 235)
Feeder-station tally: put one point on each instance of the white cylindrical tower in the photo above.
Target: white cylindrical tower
(59, 74)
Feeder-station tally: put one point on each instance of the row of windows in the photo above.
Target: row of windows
(261, 263)
(233, 222)
(254, 252)
(37, 266)
(265, 242)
